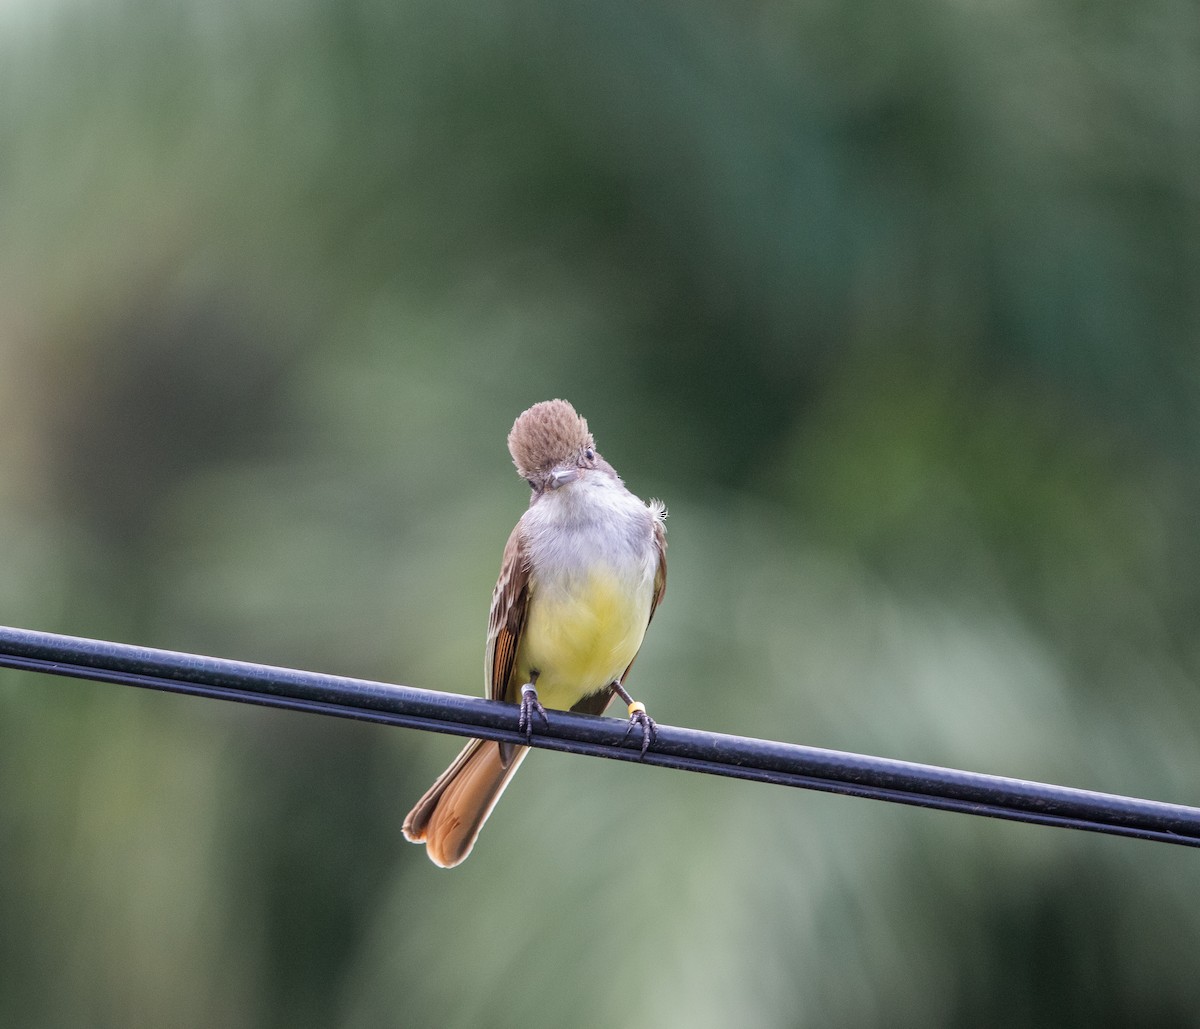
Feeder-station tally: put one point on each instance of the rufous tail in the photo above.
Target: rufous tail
(448, 818)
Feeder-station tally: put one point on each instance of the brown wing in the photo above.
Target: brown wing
(597, 702)
(660, 576)
(506, 620)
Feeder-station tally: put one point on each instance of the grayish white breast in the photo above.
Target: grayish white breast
(593, 520)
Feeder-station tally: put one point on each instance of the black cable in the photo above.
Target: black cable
(692, 750)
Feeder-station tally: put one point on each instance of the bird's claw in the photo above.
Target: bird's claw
(647, 725)
(530, 706)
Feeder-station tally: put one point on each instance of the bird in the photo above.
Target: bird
(583, 572)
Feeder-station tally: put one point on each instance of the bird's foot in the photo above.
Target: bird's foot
(638, 718)
(530, 707)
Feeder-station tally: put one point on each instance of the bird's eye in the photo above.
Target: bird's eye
(589, 454)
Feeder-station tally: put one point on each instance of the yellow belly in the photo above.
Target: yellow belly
(582, 637)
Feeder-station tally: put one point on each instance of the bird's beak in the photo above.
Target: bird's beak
(561, 476)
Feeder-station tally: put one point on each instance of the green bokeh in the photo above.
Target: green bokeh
(896, 306)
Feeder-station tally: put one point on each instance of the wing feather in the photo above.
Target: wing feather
(506, 620)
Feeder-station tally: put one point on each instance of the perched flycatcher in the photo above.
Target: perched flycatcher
(582, 573)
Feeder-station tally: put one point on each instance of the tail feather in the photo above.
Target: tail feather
(448, 818)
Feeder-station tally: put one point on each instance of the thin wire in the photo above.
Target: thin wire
(785, 764)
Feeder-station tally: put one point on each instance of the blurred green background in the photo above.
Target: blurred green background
(895, 305)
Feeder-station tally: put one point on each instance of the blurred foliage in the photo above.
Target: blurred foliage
(897, 307)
